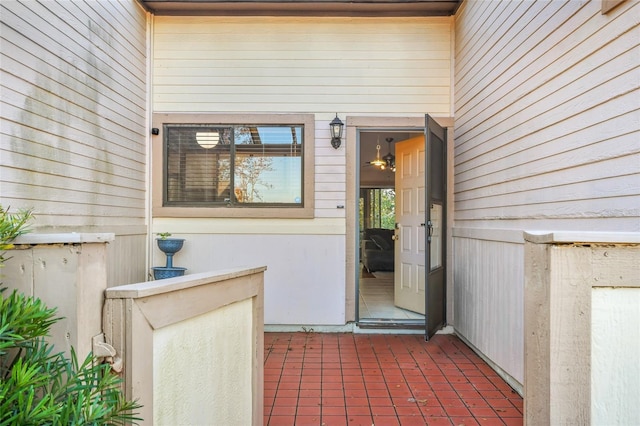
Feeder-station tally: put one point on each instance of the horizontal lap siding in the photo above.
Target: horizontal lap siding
(546, 137)
(73, 113)
(352, 66)
(301, 65)
(547, 116)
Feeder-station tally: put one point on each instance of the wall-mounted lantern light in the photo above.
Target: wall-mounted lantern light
(336, 127)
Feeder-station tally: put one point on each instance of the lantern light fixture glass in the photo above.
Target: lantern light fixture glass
(337, 127)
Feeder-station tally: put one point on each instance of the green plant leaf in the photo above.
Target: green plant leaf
(39, 386)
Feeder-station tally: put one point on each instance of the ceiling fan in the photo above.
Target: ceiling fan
(390, 159)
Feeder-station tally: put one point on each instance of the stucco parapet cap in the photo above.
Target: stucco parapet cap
(578, 237)
(65, 238)
(168, 285)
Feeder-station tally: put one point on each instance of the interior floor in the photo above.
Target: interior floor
(376, 298)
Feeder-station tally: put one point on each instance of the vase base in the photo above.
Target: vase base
(161, 272)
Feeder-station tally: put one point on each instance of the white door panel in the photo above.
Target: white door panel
(410, 217)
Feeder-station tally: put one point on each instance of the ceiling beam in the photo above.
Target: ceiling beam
(303, 7)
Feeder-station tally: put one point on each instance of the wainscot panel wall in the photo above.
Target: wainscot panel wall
(73, 110)
(546, 138)
(479, 258)
(351, 66)
(303, 285)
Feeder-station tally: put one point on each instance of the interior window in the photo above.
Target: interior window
(377, 208)
(237, 165)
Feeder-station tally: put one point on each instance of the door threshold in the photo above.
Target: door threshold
(380, 323)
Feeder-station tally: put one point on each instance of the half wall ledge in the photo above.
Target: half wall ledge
(575, 237)
(157, 287)
(65, 238)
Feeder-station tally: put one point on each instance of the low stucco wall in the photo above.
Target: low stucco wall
(615, 350)
(208, 355)
(192, 346)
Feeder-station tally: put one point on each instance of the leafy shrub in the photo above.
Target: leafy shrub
(11, 225)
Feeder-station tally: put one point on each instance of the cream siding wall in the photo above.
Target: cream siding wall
(546, 138)
(363, 65)
(350, 66)
(73, 89)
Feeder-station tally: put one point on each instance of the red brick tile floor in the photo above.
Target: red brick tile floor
(336, 379)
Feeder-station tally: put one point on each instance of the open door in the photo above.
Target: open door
(410, 257)
(435, 207)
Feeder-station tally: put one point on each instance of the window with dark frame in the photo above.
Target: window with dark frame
(233, 165)
(377, 208)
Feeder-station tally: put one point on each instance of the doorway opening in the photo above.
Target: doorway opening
(378, 244)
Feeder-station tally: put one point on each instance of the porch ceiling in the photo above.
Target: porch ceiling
(303, 7)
